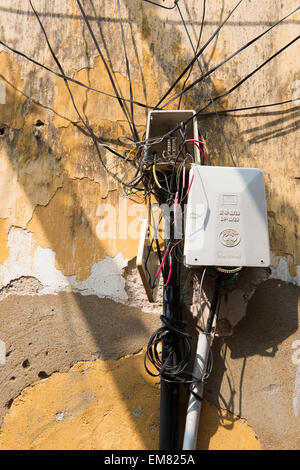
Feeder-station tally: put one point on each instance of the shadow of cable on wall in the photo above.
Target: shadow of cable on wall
(242, 344)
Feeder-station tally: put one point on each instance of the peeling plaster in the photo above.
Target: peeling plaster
(92, 407)
(296, 398)
(281, 272)
(2, 353)
(2, 93)
(27, 259)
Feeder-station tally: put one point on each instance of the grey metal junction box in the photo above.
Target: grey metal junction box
(226, 220)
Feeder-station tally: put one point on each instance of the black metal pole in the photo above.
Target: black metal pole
(169, 392)
(167, 395)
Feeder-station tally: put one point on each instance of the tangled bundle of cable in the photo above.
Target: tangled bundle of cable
(177, 344)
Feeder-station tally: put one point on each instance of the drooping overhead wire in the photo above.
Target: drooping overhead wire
(197, 48)
(244, 47)
(128, 71)
(249, 108)
(97, 141)
(86, 125)
(139, 177)
(207, 88)
(238, 84)
(249, 75)
(122, 104)
(198, 54)
(70, 79)
(58, 64)
(139, 156)
(162, 6)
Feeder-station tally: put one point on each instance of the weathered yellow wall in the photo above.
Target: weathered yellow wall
(52, 186)
(84, 409)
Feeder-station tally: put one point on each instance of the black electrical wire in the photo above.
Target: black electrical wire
(254, 71)
(245, 46)
(89, 130)
(249, 108)
(231, 89)
(162, 6)
(122, 104)
(198, 44)
(59, 65)
(198, 54)
(73, 80)
(170, 370)
(173, 368)
(128, 71)
(238, 84)
(233, 110)
(95, 138)
(207, 87)
(141, 180)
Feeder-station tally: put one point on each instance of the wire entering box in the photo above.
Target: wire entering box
(167, 149)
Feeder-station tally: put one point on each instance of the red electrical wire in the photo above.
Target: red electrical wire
(190, 185)
(162, 263)
(196, 142)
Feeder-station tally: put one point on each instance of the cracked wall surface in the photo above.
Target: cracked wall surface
(67, 294)
(124, 420)
(256, 370)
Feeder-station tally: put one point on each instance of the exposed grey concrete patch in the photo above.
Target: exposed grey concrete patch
(24, 285)
(44, 334)
(234, 300)
(136, 293)
(296, 397)
(234, 304)
(280, 269)
(2, 93)
(104, 280)
(253, 374)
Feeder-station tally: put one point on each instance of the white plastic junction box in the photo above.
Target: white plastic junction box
(226, 220)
